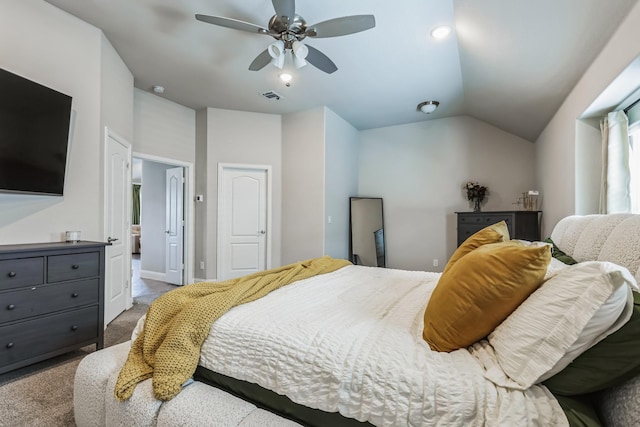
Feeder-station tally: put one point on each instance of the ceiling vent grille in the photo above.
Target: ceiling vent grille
(272, 95)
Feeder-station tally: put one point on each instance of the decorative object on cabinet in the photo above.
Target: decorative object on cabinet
(52, 300)
(475, 193)
(72, 236)
(523, 225)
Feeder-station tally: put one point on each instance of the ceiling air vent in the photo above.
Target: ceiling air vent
(272, 95)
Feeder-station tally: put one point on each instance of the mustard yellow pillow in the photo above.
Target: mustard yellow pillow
(480, 290)
(495, 233)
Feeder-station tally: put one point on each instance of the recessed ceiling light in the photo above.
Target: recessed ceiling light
(158, 89)
(428, 107)
(286, 77)
(440, 32)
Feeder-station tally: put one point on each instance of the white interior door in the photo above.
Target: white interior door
(243, 220)
(174, 264)
(117, 225)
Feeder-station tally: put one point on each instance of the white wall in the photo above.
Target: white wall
(341, 182)
(242, 138)
(419, 170)
(116, 88)
(116, 103)
(53, 48)
(588, 168)
(557, 145)
(163, 128)
(303, 181)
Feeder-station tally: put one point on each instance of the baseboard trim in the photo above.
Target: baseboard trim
(196, 280)
(153, 275)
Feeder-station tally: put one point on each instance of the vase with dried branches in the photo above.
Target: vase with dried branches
(475, 193)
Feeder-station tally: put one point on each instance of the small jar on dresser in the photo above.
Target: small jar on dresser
(524, 225)
(51, 300)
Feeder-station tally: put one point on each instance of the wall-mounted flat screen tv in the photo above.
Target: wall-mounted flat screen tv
(34, 136)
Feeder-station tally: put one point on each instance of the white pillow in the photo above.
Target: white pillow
(618, 308)
(555, 266)
(572, 311)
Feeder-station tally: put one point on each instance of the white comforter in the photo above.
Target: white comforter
(351, 341)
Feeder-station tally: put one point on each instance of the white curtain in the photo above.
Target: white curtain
(615, 189)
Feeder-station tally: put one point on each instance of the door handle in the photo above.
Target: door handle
(111, 239)
(262, 232)
(168, 231)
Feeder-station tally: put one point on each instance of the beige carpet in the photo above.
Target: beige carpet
(42, 394)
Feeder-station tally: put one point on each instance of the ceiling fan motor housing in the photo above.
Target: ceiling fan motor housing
(280, 28)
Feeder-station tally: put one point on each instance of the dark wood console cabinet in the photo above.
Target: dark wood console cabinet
(524, 225)
(51, 300)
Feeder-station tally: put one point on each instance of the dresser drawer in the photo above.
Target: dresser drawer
(483, 220)
(464, 231)
(521, 224)
(74, 266)
(40, 336)
(15, 273)
(38, 300)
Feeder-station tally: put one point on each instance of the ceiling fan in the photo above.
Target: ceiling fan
(289, 29)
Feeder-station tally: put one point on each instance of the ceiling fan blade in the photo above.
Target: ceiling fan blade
(234, 24)
(341, 26)
(285, 8)
(261, 61)
(320, 60)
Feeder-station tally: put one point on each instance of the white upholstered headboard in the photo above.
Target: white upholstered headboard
(614, 238)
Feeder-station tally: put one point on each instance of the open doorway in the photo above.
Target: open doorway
(154, 209)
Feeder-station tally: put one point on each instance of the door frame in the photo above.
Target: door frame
(221, 168)
(110, 133)
(188, 242)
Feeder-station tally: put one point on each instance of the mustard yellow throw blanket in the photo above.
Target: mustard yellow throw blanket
(178, 322)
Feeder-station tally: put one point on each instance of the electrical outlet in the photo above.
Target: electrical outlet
(435, 262)
(201, 265)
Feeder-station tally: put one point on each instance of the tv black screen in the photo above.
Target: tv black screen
(34, 136)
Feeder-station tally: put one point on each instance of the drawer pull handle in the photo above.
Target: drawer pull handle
(74, 295)
(75, 266)
(9, 345)
(11, 307)
(74, 328)
(12, 274)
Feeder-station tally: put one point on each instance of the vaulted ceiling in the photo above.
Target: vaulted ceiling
(510, 63)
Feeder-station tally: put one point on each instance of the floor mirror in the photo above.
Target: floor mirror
(366, 229)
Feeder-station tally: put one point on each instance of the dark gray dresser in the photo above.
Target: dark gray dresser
(523, 225)
(51, 300)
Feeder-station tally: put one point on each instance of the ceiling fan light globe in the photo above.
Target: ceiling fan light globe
(298, 62)
(277, 52)
(278, 62)
(276, 49)
(300, 50)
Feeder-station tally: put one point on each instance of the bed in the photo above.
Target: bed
(284, 360)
